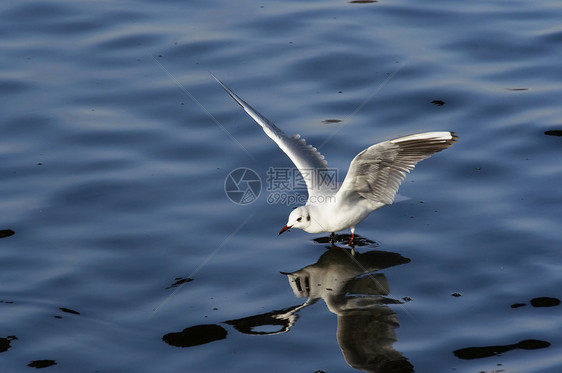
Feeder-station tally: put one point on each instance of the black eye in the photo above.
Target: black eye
(308, 218)
(299, 219)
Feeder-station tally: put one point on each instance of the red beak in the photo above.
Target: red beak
(285, 228)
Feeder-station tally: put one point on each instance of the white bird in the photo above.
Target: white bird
(371, 182)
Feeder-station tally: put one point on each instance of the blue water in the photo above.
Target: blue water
(127, 255)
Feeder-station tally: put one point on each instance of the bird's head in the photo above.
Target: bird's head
(299, 218)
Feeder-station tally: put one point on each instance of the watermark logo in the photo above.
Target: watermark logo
(287, 179)
(284, 185)
(242, 186)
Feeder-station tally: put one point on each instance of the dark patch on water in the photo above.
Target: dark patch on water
(487, 351)
(438, 102)
(517, 89)
(38, 364)
(195, 336)
(68, 310)
(331, 121)
(5, 343)
(545, 302)
(6, 233)
(553, 132)
(180, 281)
(539, 302)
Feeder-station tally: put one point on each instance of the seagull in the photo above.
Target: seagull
(371, 182)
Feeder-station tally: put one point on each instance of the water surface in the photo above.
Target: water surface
(127, 255)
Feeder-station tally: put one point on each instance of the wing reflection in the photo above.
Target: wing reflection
(359, 297)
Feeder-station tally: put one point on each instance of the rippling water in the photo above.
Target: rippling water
(120, 251)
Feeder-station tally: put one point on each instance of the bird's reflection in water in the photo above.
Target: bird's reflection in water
(351, 289)
(359, 297)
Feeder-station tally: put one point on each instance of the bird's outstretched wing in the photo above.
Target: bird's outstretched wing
(376, 173)
(310, 163)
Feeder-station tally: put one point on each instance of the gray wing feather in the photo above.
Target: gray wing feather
(376, 173)
(307, 158)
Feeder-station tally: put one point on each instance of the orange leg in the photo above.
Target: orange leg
(351, 239)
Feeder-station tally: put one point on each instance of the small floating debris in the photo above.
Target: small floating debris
(5, 342)
(456, 295)
(38, 364)
(6, 233)
(438, 102)
(68, 310)
(553, 133)
(180, 281)
(195, 335)
(487, 351)
(331, 121)
(539, 302)
(545, 302)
